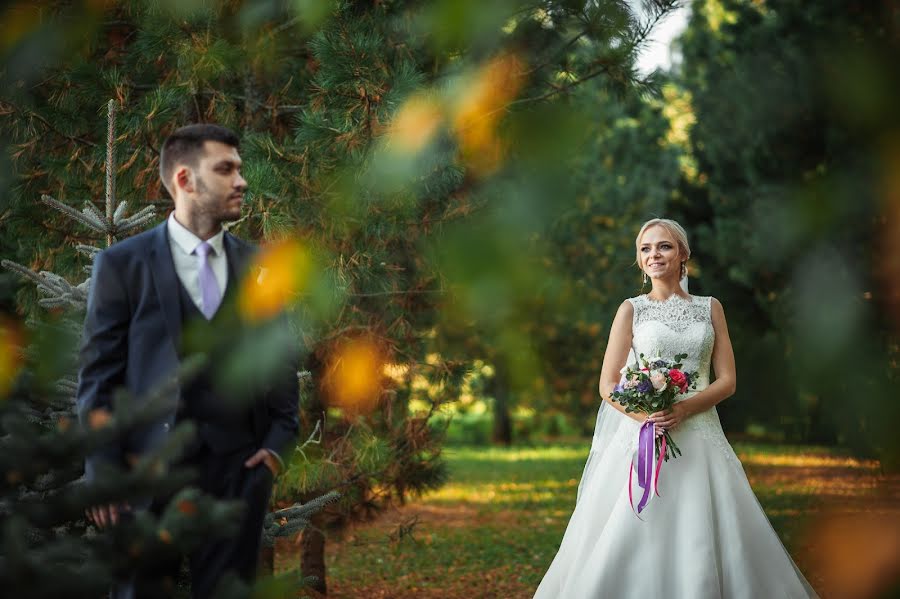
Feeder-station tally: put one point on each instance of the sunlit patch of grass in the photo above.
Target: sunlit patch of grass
(551, 453)
(804, 461)
(504, 495)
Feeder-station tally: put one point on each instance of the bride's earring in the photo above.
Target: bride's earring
(644, 282)
(683, 269)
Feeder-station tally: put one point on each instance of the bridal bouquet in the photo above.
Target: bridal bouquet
(650, 387)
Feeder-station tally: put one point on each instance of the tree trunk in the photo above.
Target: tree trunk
(312, 556)
(500, 391)
(312, 540)
(267, 561)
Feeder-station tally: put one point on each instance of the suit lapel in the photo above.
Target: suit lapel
(239, 255)
(166, 281)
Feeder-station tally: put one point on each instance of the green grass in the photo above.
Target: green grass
(507, 507)
(505, 510)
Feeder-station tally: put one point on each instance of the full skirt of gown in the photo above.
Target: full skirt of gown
(705, 537)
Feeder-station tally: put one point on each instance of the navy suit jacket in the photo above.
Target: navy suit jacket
(132, 335)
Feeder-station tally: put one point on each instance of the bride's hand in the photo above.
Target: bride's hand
(669, 419)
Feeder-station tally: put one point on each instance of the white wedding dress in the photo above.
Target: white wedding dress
(706, 536)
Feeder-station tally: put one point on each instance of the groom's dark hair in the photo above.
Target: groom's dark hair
(185, 145)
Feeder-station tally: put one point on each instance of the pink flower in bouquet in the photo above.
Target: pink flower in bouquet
(679, 379)
(632, 382)
(658, 379)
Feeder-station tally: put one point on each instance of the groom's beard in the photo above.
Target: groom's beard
(215, 208)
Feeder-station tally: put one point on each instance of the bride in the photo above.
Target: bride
(705, 536)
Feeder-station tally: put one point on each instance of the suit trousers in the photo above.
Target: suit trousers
(224, 477)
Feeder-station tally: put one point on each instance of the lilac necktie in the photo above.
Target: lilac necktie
(209, 286)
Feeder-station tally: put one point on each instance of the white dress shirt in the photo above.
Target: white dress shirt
(183, 244)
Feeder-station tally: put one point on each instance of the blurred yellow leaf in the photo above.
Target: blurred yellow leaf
(18, 21)
(480, 109)
(10, 356)
(414, 124)
(280, 272)
(354, 376)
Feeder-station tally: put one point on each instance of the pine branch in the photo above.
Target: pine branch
(659, 10)
(605, 68)
(290, 520)
(120, 210)
(138, 219)
(96, 218)
(662, 9)
(95, 223)
(88, 250)
(110, 168)
(558, 53)
(67, 385)
(45, 122)
(61, 293)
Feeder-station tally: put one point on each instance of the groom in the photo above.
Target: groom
(152, 297)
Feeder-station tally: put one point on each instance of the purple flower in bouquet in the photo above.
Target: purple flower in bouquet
(644, 386)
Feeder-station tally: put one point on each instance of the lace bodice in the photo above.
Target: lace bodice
(675, 326)
(665, 329)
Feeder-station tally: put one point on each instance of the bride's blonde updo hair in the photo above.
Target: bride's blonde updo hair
(674, 229)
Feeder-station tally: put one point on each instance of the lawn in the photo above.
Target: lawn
(494, 528)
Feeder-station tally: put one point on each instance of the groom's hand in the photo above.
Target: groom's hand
(105, 515)
(265, 456)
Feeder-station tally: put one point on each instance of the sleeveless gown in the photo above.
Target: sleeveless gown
(706, 536)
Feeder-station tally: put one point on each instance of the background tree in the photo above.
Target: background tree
(794, 208)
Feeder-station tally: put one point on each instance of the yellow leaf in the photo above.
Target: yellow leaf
(354, 376)
(414, 124)
(280, 272)
(481, 108)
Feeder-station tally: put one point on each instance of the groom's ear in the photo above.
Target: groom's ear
(184, 178)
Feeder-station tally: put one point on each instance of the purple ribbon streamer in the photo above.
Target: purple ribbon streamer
(645, 463)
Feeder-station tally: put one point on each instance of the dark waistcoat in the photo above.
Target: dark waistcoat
(224, 423)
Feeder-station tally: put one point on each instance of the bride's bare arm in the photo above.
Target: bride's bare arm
(723, 365)
(616, 355)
